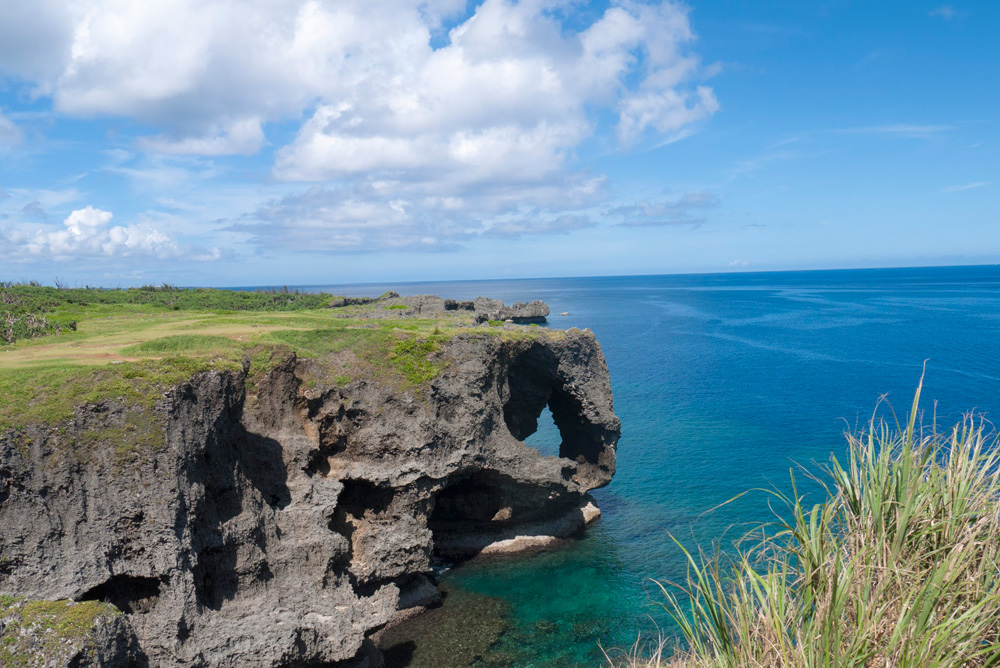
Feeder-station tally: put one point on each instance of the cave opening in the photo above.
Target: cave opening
(470, 503)
(128, 593)
(543, 411)
(552, 421)
(360, 499)
(477, 508)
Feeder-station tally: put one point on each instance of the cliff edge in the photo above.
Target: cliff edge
(279, 517)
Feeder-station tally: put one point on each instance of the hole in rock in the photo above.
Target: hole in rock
(485, 502)
(128, 593)
(546, 438)
(535, 387)
(580, 438)
(469, 503)
(359, 497)
(362, 496)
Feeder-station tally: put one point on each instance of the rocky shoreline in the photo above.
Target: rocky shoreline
(285, 521)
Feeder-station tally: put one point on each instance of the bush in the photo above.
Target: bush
(899, 566)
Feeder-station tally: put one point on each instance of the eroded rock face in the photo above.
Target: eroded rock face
(281, 530)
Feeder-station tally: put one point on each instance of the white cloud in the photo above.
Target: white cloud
(901, 130)
(511, 94)
(689, 209)
(88, 232)
(35, 39)
(392, 214)
(965, 186)
(948, 13)
(414, 145)
(9, 133)
(243, 137)
(211, 72)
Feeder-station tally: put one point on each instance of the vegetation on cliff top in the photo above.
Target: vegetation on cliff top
(36, 633)
(899, 566)
(91, 344)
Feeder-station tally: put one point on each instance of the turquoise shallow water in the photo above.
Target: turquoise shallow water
(723, 382)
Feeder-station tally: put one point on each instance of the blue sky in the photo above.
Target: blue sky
(312, 141)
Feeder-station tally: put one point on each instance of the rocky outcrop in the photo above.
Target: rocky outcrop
(338, 302)
(283, 526)
(482, 309)
(493, 309)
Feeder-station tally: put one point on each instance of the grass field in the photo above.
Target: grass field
(89, 344)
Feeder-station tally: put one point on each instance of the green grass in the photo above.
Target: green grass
(38, 632)
(49, 394)
(131, 346)
(182, 344)
(898, 566)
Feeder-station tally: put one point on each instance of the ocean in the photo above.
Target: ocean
(723, 383)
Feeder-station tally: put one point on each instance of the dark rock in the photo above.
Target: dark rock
(521, 312)
(338, 302)
(281, 529)
(452, 305)
(483, 309)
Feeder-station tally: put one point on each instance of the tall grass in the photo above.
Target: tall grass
(899, 566)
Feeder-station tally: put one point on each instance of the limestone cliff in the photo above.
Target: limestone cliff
(281, 522)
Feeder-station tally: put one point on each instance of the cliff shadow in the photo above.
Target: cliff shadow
(234, 470)
(478, 509)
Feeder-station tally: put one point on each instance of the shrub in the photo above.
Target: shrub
(899, 566)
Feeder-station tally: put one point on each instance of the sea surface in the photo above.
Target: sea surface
(723, 383)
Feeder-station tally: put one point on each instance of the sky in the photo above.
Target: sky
(272, 142)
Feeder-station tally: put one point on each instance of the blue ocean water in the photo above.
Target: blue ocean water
(723, 382)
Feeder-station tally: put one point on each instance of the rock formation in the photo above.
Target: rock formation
(281, 523)
(484, 309)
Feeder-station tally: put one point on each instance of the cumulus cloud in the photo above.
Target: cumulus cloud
(35, 39)
(423, 122)
(511, 93)
(211, 72)
(88, 232)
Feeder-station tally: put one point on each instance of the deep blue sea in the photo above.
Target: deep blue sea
(723, 382)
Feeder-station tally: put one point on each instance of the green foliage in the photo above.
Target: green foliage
(495, 323)
(899, 566)
(36, 633)
(410, 358)
(397, 307)
(31, 310)
(182, 344)
(388, 348)
(49, 394)
(133, 345)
